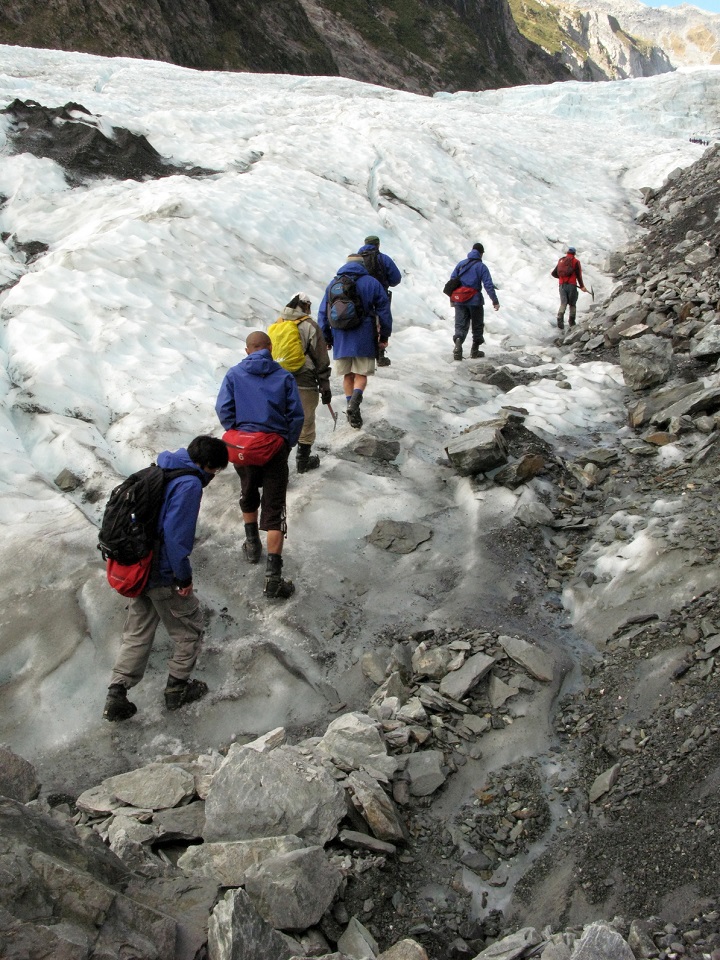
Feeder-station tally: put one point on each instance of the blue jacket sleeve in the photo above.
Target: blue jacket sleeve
(225, 405)
(379, 304)
(183, 507)
(392, 273)
(294, 410)
(487, 283)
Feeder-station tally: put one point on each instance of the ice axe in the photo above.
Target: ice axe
(333, 415)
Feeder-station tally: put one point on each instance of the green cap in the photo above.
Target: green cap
(375, 241)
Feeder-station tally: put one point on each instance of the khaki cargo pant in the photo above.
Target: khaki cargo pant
(309, 400)
(181, 617)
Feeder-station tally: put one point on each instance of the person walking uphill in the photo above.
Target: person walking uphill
(385, 270)
(347, 317)
(311, 368)
(169, 594)
(569, 276)
(473, 275)
(261, 400)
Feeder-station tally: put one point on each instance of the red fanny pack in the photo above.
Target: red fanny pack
(129, 580)
(252, 449)
(462, 294)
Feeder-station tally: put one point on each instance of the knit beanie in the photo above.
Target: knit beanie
(374, 241)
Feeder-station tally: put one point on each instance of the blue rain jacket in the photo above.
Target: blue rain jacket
(362, 341)
(177, 521)
(392, 274)
(473, 273)
(260, 396)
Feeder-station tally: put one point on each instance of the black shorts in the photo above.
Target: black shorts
(272, 478)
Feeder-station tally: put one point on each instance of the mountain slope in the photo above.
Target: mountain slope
(592, 44)
(689, 36)
(418, 46)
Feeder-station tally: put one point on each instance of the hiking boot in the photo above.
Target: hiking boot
(252, 547)
(572, 323)
(457, 352)
(353, 410)
(304, 460)
(180, 692)
(275, 587)
(382, 360)
(117, 705)
(476, 352)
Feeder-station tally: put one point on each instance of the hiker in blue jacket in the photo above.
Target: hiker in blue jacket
(169, 596)
(472, 272)
(384, 269)
(259, 396)
(354, 350)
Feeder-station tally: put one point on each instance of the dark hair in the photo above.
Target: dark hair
(479, 247)
(295, 302)
(208, 452)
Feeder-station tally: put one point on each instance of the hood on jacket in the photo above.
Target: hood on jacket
(180, 460)
(260, 364)
(368, 248)
(292, 313)
(353, 269)
(474, 255)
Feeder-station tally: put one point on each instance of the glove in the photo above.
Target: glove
(326, 395)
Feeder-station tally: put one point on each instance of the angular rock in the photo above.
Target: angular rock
(67, 481)
(646, 362)
(457, 684)
(357, 942)
(293, 890)
(74, 888)
(374, 449)
(649, 407)
(616, 306)
(18, 779)
(156, 786)
(98, 800)
(537, 663)
(354, 741)
(499, 691)
(606, 781)
(477, 450)
(405, 950)
(273, 794)
(513, 475)
(534, 513)
(509, 948)
(425, 771)
(432, 663)
(268, 741)
(376, 807)
(228, 862)
(599, 942)
(188, 900)
(362, 841)
(238, 932)
(181, 823)
(707, 345)
(399, 536)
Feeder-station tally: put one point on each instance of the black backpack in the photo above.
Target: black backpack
(129, 525)
(375, 267)
(345, 309)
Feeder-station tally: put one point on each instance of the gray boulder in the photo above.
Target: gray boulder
(477, 450)
(646, 362)
(376, 807)
(399, 536)
(456, 684)
(600, 942)
(61, 896)
(18, 779)
(228, 862)
(537, 663)
(238, 932)
(425, 771)
(156, 786)
(273, 794)
(293, 890)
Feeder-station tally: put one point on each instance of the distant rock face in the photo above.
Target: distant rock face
(689, 37)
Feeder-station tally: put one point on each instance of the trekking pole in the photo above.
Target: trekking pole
(333, 415)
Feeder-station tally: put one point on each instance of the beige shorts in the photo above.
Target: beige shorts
(363, 366)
